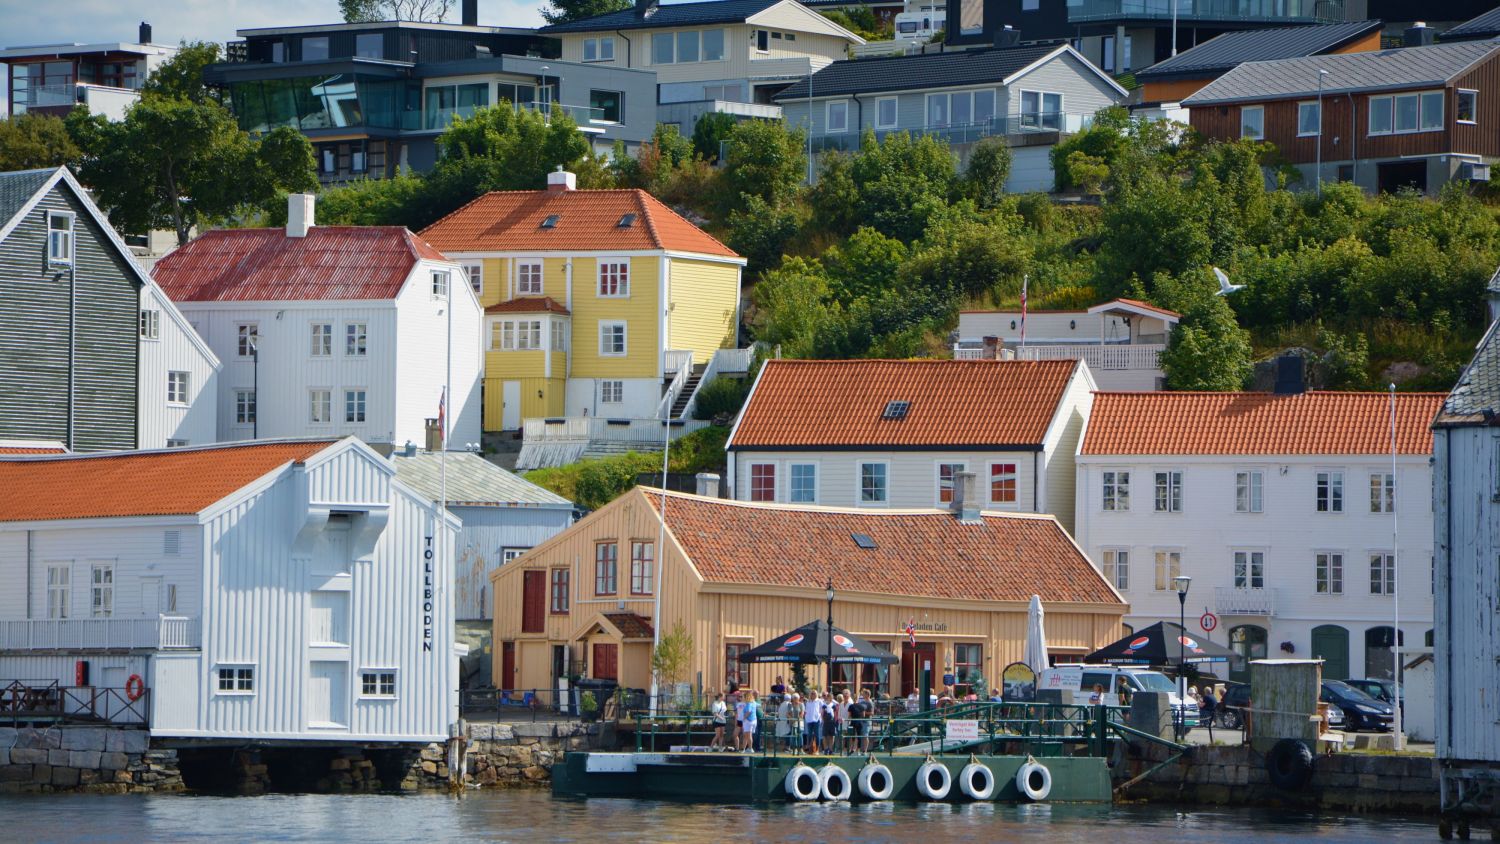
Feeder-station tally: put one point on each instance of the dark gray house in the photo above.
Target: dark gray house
(70, 316)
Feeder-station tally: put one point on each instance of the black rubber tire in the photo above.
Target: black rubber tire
(1289, 765)
(1230, 720)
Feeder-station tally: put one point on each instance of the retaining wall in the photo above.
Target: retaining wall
(92, 759)
(504, 754)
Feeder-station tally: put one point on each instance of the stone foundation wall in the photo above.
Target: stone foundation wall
(1236, 776)
(92, 759)
(504, 754)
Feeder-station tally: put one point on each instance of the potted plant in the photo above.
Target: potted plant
(589, 706)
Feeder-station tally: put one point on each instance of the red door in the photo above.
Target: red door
(606, 661)
(508, 665)
(912, 659)
(534, 602)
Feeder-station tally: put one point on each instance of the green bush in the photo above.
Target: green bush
(720, 396)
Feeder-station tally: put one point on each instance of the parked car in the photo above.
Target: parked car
(1077, 681)
(1231, 712)
(1335, 717)
(1382, 690)
(1361, 712)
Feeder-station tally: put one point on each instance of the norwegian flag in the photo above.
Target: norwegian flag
(911, 631)
(1025, 282)
(443, 414)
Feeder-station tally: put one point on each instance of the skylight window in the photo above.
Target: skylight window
(896, 409)
(863, 540)
(551, 221)
(627, 221)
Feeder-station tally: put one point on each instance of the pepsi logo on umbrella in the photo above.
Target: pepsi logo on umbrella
(1190, 643)
(1137, 643)
(791, 642)
(844, 642)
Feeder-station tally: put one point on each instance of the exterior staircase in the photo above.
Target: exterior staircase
(689, 386)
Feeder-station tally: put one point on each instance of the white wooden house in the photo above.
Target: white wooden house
(278, 590)
(179, 377)
(886, 433)
(1121, 340)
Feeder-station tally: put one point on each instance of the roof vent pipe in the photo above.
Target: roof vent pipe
(645, 8)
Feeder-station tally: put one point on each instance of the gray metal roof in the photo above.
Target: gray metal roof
(17, 188)
(472, 481)
(913, 73)
(1475, 399)
(1231, 49)
(667, 15)
(1486, 25)
(1382, 70)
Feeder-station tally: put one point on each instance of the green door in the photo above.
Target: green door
(1330, 643)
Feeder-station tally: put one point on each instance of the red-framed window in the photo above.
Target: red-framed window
(736, 670)
(559, 585)
(762, 481)
(606, 568)
(1002, 483)
(642, 567)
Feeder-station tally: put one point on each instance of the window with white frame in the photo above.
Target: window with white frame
(1117, 567)
(102, 590)
(1329, 572)
(508, 554)
(1003, 484)
(1169, 491)
(762, 481)
(321, 340)
(177, 387)
(947, 481)
(319, 406)
(1253, 123)
(516, 335)
(836, 117)
(1466, 107)
(475, 272)
(236, 679)
(356, 338)
(150, 324)
(1248, 484)
(886, 113)
(1330, 491)
(705, 45)
(247, 335)
(1168, 566)
(874, 483)
(1382, 573)
(599, 49)
(611, 392)
(762, 40)
(244, 407)
(612, 339)
(528, 278)
(960, 108)
(354, 405)
(1404, 113)
(1382, 492)
(1309, 118)
(1116, 489)
(59, 590)
(1041, 110)
(802, 483)
(559, 331)
(1249, 569)
(439, 284)
(59, 237)
(614, 277)
(377, 682)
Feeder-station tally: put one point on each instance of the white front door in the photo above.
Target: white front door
(510, 396)
(150, 596)
(327, 694)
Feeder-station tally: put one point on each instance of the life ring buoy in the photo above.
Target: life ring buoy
(1034, 781)
(976, 781)
(875, 782)
(135, 687)
(1289, 765)
(934, 780)
(834, 783)
(802, 783)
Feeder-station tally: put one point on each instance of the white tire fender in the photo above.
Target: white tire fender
(977, 781)
(1034, 781)
(875, 782)
(802, 783)
(834, 783)
(934, 780)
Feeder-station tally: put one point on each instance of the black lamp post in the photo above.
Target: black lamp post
(829, 592)
(1181, 582)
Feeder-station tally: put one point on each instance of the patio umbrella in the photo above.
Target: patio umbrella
(1163, 644)
(1036, 636)
(810, 645)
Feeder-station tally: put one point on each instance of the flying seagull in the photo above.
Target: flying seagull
(1225, 288)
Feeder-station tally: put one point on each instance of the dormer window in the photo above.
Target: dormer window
(59, 237)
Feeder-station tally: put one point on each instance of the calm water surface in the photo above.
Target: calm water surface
(533, 816)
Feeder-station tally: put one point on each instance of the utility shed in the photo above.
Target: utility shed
(1286, 700)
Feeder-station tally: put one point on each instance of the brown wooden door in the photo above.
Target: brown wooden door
(534, 602)
(606, 661)
(508, 665)
(912, 658)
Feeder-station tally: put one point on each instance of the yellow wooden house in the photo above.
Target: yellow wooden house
(594, 299)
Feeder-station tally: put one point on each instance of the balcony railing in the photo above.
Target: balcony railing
(582, 115)
(1027, 124)
(1230, 600)
(1111, 356)
(88, 634)
(1198, 11)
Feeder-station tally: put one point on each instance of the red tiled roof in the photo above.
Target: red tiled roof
(1259, 423)
(587, 220)
(1145, 306)
(630, 625)
(927, 553)
(529, 305)
(130, 483)
(805, 403)
(264, 265)
(26, 447)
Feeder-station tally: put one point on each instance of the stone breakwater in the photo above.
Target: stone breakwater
(504, 754)
(103, 760)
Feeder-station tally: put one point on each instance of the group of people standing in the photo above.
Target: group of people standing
(818, 723)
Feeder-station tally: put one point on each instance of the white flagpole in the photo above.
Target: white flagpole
(660, 552)
(1025, 282)
(1396, 585)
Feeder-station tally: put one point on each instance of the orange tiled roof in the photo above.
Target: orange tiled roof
(929, 553)
(133, 483)
(1147, 306)
(630, 625)
(1259, 423)
(587, 220)
(31, 448)
(529, 305)
(834, 404)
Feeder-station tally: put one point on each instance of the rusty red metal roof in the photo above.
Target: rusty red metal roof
(264, 265)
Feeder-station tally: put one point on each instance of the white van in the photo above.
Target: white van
(1077, 682)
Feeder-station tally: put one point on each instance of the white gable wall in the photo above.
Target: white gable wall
(175, 348)
(421, 357)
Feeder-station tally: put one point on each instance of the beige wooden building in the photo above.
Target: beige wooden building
(739, 573)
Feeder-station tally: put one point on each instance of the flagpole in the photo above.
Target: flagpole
(1395, 585)
(1025, 282)
(661, 552)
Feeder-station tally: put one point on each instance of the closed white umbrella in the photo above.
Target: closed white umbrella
(1036, 637)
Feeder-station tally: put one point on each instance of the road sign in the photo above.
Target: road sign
(1208, 622)
(961, 730)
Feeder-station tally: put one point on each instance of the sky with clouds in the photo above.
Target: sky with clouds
(172, 21)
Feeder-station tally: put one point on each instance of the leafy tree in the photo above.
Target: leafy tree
(766, 160)
(761, 232)
(861, 21)
(659, 162)
(32, 141)
(792, 307)
(1347, 359)
(369, 11)
(989, 169)
(1207, 350)
(866, 264)
(562, 11)
(364, 202)
(710, 132)
(672, 657)
(181, 77)
(970, 257)
(721, 397)
(1087, 172)
(901, 181)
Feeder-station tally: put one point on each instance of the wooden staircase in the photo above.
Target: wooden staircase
(689, 386)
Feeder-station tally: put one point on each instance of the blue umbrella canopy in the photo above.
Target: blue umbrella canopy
(815, 642)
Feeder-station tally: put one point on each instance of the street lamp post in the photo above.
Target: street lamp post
(1321, 73)
(829, 592)
(1181, 582)
(255, 386)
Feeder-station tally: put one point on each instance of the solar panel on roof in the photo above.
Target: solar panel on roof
(896, 409)
(551, 221)
(863, 540)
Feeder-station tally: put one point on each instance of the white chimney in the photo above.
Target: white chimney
(299, 214)
(708, 484)
(966, 498)
(561, 179)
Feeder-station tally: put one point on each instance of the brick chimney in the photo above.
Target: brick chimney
(299, 213)
(434, 436)
(560, 180)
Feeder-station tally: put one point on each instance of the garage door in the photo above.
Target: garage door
(1030, 170)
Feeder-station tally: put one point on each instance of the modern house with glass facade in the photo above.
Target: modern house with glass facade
(53, 78)
(374, 97)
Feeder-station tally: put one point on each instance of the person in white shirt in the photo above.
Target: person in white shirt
(783, 722)
(719, 713)
(812, 717)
